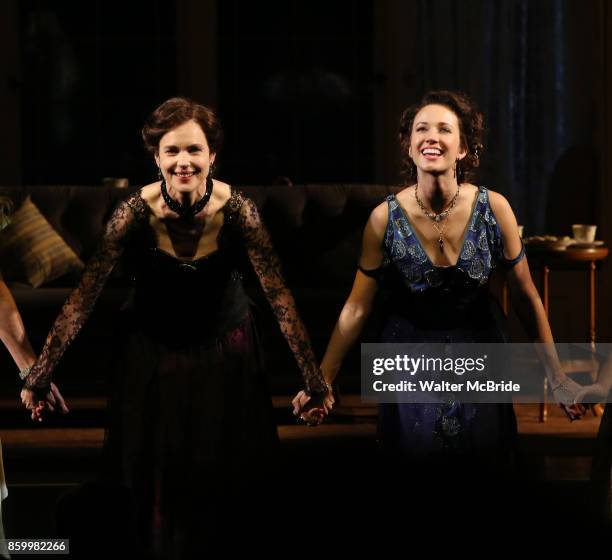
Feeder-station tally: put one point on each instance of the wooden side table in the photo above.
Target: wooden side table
(547, 260)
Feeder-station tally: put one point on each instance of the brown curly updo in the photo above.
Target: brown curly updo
(471, 130)
(175, 112)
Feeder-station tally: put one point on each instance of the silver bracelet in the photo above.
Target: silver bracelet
(25, 372)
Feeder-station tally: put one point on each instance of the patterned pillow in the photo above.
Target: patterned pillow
(31, 250)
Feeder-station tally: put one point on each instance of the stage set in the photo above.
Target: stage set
(206, 207)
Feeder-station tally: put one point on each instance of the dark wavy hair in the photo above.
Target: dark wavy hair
(175, 112)
(471, 130)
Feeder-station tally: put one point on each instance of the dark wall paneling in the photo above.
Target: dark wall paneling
(295, 90)
(92, 71)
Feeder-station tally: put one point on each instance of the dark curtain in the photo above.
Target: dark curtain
(533, 68)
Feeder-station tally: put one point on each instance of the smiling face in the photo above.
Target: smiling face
(184, 157)
(435, 141)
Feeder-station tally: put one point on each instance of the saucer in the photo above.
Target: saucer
(586, 245)
(548, 245)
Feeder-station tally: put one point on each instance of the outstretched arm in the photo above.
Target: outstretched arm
(267, 266)
(525, 298)
(80, 303)
(528, 306)
(12, 331)
(358, 306)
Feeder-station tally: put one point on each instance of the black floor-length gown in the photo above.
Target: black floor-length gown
(192, 436)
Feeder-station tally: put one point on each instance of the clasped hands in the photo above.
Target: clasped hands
(312, 409)
(570, 395)
(41, 404)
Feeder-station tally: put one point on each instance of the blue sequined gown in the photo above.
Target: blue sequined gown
(444, 304)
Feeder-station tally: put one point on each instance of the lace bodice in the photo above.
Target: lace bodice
(132, 215)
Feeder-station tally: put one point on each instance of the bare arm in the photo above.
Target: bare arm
(525, 298)
(358, 306)
(524, 295)
(12, 331)
(14, 337)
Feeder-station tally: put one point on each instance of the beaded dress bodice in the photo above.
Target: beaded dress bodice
(443, 297)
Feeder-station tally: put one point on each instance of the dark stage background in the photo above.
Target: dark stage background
(311, 92)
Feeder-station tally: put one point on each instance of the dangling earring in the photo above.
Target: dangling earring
(209, 177)
(161, 177)
(413, 169)
(458, 171)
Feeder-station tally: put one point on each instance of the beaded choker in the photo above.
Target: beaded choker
(183, 210)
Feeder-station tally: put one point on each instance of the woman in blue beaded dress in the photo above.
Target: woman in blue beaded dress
(434, 246)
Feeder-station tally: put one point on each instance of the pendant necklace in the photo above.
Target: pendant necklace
(437, 218)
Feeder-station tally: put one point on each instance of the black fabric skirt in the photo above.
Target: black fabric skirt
(191, 437)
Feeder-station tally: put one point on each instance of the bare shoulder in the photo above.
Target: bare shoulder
(379, 218)
(500, 205)
(497, 200)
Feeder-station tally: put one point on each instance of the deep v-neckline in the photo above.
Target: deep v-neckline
(404, 216)
(158, 249)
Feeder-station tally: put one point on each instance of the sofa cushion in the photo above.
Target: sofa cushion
(32, 251)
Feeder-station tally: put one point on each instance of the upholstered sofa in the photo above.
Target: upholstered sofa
(316, 230)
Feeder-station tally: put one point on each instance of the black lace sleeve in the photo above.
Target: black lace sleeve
(81, 301)
(267, 266)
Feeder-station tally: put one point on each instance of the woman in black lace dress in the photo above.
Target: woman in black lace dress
(192, 423)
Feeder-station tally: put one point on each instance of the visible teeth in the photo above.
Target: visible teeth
(431, 152)
(184, 174)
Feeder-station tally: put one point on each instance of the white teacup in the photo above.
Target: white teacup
(584, 233)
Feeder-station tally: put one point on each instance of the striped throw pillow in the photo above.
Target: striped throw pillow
(32, 251)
